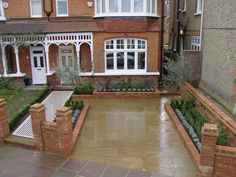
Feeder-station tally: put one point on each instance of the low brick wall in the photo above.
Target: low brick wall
(119, 95)
(212, 112)
(57, 137)
(213, 160)
(4, 125)
(184, 135)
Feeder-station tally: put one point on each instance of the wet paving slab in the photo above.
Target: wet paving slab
(120, 138)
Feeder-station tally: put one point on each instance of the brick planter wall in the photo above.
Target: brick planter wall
(57, 137)
(119, 95)
(4, 126)
(213, 113)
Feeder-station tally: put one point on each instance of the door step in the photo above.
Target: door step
(16, 140)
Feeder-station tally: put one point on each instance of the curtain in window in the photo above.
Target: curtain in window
(36, 8)
(138, 5)
(62, 7)
(126, 5)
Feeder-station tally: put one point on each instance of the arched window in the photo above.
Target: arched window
(125, 55)
(125, 8)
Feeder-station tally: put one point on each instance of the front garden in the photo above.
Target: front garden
(19, 99)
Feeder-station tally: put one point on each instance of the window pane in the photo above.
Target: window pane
(110, 44)
(98, 6)
(141, 44)
(120, 60)
(148, 6)
(141, 60)
(126, 4)
(113, 5)
(41, 62)
(110, 60)
(35, 62)
(131, 60)
(103, 6)
(138, 5)
(36, 7)
(130, 44)
(120, 44)
(153, 6)
(62, 7)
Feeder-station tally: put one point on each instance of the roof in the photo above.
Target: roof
(25, 27)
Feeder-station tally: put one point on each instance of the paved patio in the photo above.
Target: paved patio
(21, 162)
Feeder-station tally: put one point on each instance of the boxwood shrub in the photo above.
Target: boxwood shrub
(84, 89)
(196, 119)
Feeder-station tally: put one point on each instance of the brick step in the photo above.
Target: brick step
(16, 140)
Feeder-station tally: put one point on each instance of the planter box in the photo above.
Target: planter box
(184, 135)
(119, 95)
(79, 124)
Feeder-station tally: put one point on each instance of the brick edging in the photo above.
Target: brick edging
(220, 115)
(188, 142)
(119, 95)
(79, 124)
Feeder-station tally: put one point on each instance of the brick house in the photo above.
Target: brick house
(106, 38)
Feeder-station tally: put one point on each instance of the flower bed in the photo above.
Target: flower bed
(146, 89)
(86, 89)
(193, 121)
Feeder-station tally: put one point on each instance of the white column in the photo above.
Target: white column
(47, 58)
(78, 59)
(4, 62)
(92, 60)
(17, 60)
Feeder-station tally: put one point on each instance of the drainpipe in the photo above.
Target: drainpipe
(201, 30)
(178, 29)
(162, 36)
(48, 13)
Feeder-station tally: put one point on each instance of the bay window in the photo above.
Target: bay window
(62, 8)
(125, 56)
(125, 8)
(35, 8)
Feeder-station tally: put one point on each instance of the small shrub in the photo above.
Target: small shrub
(74, 105)
(5, 82)
(84, 90)
(222, 138)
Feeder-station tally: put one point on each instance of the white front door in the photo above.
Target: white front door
(66, 56)
(38, 65)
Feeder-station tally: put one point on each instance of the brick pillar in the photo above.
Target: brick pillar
(65, 134)
(4, 125)
(207, 153)
(37, 112)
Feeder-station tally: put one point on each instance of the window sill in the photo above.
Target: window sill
(121, 74)
(14, 75)
(126, 15)
(66, 15)
(198, 13)
(2, 19)
(36, 16)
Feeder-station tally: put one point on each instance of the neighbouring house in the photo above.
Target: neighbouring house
(219, 52)
(107, 38)
(183, 30)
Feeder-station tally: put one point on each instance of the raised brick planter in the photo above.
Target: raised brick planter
(119, 95)
(4, 126)
(184, 135)
(79, 124)
(57, 137)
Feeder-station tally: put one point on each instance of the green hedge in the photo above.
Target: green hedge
(196, 120)
(84, 89)
(16, 119)
(74, 105)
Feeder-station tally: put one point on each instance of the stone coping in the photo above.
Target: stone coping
(184, 135)
(119, 95)
(219, 114)
(79, 124)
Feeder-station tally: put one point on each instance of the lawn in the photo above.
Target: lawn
(17, 99)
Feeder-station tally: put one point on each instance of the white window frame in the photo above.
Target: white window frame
(125, 71)
(31, 10)
(62, 15)
(195, 43)
(2, 15)
(199, 7)
(120, 13)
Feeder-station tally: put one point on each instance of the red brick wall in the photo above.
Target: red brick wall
(4, 126)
